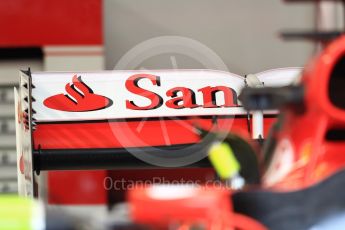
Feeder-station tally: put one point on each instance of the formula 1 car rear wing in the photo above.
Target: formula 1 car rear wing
(126, 119)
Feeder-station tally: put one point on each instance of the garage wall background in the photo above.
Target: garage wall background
(243, 33)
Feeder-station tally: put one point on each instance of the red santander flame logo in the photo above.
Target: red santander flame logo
(79, 98)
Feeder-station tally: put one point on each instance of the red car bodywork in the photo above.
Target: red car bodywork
(100, 135)
(316, 151)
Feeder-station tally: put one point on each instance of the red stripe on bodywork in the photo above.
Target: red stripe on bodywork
(114, 134)
(111, 134)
